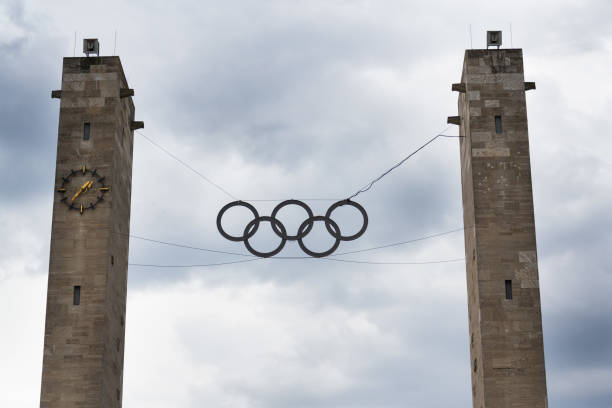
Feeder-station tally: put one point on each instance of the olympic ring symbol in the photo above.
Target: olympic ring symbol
(305, 227)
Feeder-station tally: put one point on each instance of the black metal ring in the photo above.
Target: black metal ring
(289, 202)
(247, 234)
(311, 220)
(279, 229)
(353, 204)
(256, 222)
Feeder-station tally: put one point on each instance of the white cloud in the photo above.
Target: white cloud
(224, 345)
(10, 30)
(277, 99)
(22, 313)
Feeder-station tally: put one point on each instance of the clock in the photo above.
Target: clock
(83, 189)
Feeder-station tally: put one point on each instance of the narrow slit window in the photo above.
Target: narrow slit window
(112, 259)
(508, 289)
(86, 130)
(76, 299)
(498, 124)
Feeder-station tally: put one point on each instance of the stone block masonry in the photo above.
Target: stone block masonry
(506, 344)
(84, 337)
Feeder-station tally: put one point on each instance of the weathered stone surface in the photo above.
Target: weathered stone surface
(83, 351)
(491, 152)
(506, 334)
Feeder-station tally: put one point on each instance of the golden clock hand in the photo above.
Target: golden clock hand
(83, 188)
(74, 197)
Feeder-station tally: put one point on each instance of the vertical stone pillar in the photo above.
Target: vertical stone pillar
(86, 297)
(506, 347)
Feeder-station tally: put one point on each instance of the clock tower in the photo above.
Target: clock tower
(86, 296)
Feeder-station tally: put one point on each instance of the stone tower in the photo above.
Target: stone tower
(86, 297)
(505, 320)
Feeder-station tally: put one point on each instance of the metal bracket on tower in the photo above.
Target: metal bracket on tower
(529, 86)
(125, 92)
(135, 124)
(454, 120)
(458, 87)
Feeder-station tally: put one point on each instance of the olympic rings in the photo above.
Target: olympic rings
(305, 227)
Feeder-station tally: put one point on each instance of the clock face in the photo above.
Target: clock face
(83, 189)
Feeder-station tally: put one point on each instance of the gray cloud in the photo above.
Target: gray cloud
(279, 100)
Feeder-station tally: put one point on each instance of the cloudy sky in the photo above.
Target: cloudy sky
(311, 99)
